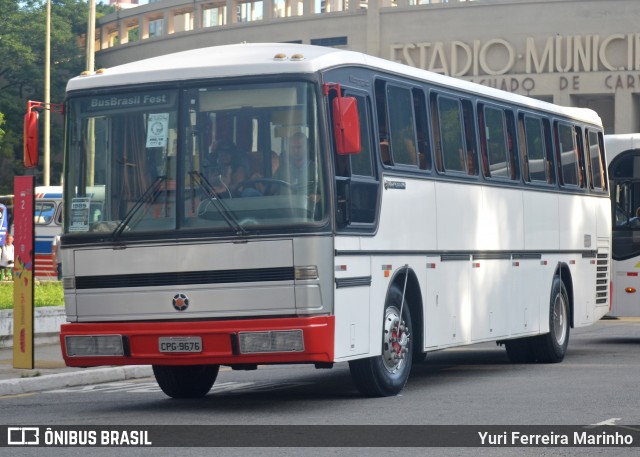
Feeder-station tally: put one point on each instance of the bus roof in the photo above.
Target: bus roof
(49, 192)
(277, 58)
(616, 144)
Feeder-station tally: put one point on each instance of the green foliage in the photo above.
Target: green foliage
(22, 64)
(46, 293)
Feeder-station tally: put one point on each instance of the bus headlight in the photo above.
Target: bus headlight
(273, 341)
(69, 283)
(94, 345)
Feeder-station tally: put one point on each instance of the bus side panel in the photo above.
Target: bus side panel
(540, 221)
(577, 223)
(458, 216)
(407, 217)
(352, 306)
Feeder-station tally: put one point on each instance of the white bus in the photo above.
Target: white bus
(623, 153)
(282, 203)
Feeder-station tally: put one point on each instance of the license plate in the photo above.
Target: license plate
(180, 344)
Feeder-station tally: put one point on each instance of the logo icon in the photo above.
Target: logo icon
(180, 302)
(23, 436)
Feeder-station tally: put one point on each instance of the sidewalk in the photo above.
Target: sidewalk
(50, 372)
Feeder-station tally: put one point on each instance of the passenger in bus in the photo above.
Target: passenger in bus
(6, 258)
(56, 257)
(299, 169)
(227, 169)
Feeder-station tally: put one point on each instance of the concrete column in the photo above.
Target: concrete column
(232, 16)
(196, 14)
(308, 7)
(169, 22)
(623, 117)
(123, 36)
(402, 3)
(104, 38)
(267, 9)
(144, 27)
(373, 28)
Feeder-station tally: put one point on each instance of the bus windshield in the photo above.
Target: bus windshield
(227, 158)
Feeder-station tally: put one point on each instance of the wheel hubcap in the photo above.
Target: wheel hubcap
(395, 340)
(560, 319)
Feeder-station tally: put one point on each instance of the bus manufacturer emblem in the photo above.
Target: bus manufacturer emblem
(180, 302)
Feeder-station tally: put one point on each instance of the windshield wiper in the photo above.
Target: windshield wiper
(214, 198)
(149, 196)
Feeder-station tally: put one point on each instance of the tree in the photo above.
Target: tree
(22, 54)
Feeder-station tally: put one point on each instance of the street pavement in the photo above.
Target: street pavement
(50, 372)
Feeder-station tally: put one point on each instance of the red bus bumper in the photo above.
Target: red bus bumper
(219, 341)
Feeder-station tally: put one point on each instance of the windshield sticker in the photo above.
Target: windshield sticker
(157, 130)
(79, 221)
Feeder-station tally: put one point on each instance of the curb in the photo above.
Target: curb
(47, 321)
(73, 379)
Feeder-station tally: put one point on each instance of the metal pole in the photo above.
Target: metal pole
(47, 100)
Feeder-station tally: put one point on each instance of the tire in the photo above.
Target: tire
(386, 375)
(552, 347)
(520, 350)
(190, 381)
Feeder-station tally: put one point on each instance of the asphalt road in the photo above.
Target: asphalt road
(476, 385)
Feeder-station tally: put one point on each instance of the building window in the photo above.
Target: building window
(214, 15)
(156, 27)
(250, 11)
(330, 42)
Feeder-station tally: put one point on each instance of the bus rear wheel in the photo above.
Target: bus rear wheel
(386, 375)
(552, 347)
(189, 381)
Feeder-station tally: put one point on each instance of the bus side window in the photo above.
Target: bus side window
(451, 134)
(383, 129)
(470, 138)
(596, 169)
(422, 129)
(567, 153)
(435, 128)
(579, 148)
(550, 170)
(522, 141)
(401, 126)
(514, 171)
(536, 153)
(496, 143)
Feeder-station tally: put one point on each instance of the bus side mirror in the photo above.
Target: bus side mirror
(31, 139)
(346, 125)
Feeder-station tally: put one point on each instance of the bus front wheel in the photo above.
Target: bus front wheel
(190, 381)
(386, 375)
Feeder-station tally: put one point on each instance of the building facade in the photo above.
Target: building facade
(571, 52)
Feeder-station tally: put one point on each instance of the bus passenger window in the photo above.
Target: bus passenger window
(534, 147)
(596, 169)
(451, 134)
(568, 155)
(496, 143)
(401, 126)
(579, 148)
(422, 129)
(470, 138)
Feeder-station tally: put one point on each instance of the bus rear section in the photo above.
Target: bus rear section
(624, 173)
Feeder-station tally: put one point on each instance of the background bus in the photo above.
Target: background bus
(47, 219)
(6, 216)
(282, 203)
(623, 153)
